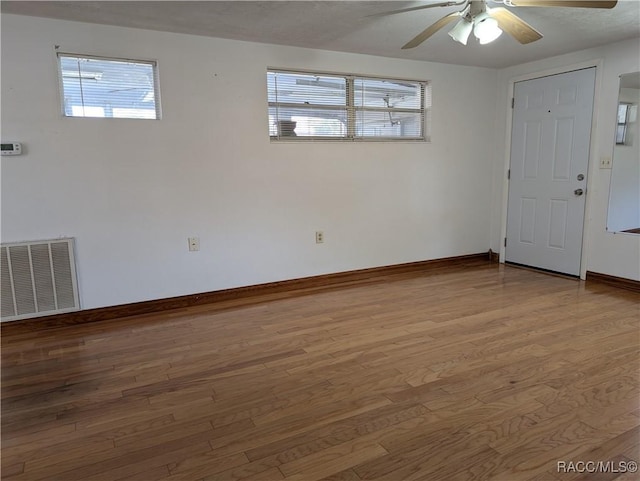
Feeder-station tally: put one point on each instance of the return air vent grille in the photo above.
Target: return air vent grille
(38, 278)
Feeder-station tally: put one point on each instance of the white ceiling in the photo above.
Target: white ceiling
(346, 26)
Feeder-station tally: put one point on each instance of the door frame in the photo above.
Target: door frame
(593, 156)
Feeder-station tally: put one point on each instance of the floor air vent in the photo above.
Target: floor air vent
(38, 278)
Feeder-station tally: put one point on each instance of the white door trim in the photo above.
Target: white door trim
(593, 156)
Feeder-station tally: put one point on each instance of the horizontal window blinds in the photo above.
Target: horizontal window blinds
(345, 107)
(307, 105)
(102, 87)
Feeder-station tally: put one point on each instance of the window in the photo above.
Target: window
(623, 119)
(105, 87)
(346, 107)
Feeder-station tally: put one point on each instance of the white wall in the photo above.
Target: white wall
(624, 196)
(606, 252)
(131, 192)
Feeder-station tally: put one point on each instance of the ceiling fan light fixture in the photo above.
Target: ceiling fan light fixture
(460, 33)
(486, 29)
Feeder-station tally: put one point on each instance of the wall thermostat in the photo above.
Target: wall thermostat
(11, 148)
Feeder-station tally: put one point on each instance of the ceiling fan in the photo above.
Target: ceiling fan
(487, 23)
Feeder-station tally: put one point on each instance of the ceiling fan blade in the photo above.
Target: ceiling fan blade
(563, 3)
(514, 25)
(427, 32)
(419, 7)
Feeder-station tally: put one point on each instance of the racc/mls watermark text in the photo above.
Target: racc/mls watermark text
(619, 467)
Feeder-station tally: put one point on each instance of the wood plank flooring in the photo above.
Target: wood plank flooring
(468, 373)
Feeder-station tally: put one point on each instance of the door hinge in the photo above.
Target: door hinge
(508, 174)
(513, 102)
(505, 242)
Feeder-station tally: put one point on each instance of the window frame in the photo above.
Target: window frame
(156, 84)
(352, 109)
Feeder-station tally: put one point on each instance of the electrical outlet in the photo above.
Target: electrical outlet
(194, 244)
(319, 237)
(605, 162)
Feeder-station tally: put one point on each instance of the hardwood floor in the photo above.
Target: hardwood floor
(468, 373)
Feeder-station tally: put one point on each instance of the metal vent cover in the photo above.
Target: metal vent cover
(37, 278)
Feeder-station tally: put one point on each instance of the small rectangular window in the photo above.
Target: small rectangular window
(621, 129)
(108, 87)
(307, 105)
(345, 107)
(388, 108)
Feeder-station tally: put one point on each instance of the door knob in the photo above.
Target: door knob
(578, 192)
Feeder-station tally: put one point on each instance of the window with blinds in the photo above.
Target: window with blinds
(621, 128)
(108, 87)
(308, 106)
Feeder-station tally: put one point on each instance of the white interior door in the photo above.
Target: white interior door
(550, 140)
